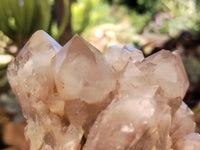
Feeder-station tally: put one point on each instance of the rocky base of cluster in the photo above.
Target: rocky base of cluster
(77, 98)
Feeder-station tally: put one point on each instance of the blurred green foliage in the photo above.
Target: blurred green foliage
(140, 20)
(192, 66)
(175, 15)
(20, 18)
(4, 41)
(83, 14)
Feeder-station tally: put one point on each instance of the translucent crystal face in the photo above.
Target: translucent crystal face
(166, 69)
(118, 120)
(119, 57)
(29, 73)
(83, 73)
(76, 98)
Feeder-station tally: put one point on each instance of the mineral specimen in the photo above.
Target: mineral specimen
(76, 98)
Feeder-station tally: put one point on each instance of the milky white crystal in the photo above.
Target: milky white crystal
(76, 98)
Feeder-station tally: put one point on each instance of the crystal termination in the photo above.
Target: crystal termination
(76, 98)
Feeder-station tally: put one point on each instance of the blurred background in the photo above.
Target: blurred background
(149, 25)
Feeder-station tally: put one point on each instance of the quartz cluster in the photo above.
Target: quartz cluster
(76, 98)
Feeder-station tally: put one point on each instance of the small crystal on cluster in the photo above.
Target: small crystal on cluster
(76, 98)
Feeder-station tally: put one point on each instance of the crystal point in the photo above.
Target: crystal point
(119, 57)
(91, 84)
(28, 72)
(167, 70)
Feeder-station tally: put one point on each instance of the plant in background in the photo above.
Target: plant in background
(181, 15)
(87, 13)
(140, 12)
(8, 103)
(4, 60)
(139, 21)
(20, 18)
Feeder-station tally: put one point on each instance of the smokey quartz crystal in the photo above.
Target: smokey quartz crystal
(76, 98)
